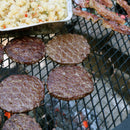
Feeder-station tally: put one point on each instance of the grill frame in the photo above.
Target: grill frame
(100, 51)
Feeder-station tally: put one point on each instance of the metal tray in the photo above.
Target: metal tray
(42, 27)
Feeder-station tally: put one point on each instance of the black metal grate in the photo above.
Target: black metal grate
(109, 64)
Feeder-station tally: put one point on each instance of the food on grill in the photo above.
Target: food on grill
(1, 53)
(85, 14)
(124, 4)
(69, 83)
(82, 3)
(85, 3)
(105, 12)
(110, 19)
(119, 28)
(25, 50)
(68, 48)
(20, 93)
(106, 23)
(21, 122)
(107, 3)
(15, 13)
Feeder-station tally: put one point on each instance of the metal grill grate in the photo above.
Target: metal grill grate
(109, 64)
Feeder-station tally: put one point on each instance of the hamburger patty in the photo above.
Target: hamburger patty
(25, 50)
(69, 83)
(21, 122)
(20, 93)
(68, 48)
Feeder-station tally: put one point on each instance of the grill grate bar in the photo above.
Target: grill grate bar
(88, 113)
(70, 114)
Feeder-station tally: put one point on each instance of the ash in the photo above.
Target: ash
(71, 114)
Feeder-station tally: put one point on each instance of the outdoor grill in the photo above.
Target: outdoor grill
(109, 64)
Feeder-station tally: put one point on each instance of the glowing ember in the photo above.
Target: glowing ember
(78, 114)
(85, 124)
(7, 114)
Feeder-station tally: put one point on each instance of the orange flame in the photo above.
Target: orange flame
(85, 124)
(7, 114)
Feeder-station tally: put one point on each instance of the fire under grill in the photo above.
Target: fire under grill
(109, 63)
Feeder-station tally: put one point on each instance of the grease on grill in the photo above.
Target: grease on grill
(68, 48)
(20, 93)
(21, 122)
(25, 50)
(69, 83)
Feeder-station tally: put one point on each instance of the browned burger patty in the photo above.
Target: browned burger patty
(20, 93)
(69, 83)
(25, 50)
(68, 48)
(1, 53)
(21, 122)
